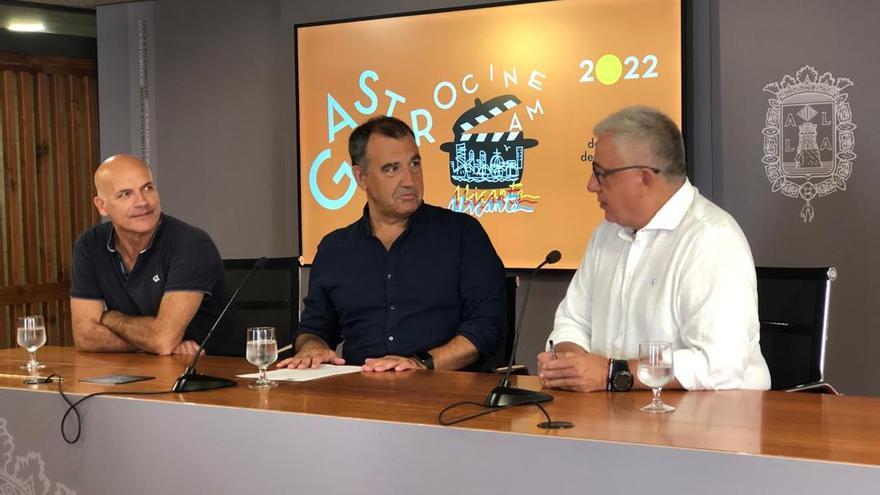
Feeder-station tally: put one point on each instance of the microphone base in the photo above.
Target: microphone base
(509, 396)
(194, 382)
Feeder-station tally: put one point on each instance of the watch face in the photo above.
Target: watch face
(623, 381)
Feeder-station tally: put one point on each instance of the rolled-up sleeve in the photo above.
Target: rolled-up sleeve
(481, 289)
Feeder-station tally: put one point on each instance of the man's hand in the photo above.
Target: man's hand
(578, 371)
(187, 347)
(392, 363)
(311, 355)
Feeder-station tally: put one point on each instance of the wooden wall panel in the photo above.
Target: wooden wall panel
(49, 132)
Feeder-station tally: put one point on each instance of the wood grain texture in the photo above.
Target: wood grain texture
(48, 121)
(802, 426)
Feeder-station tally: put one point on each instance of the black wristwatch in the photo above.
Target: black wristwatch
(426, 359)
(619, 377)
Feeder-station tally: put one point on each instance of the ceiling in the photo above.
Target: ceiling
(77, 4)
(67, 17)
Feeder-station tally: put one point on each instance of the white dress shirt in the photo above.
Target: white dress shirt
(687, 277)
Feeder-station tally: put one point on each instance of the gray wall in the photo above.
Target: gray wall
(760, 42)
(222, 81)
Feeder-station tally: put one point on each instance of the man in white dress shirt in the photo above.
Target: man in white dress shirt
(666, 265)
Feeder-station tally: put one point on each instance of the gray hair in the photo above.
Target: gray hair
(652, 125)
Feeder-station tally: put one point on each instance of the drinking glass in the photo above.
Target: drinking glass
(655, 370)
(262, 350)
(31, 336)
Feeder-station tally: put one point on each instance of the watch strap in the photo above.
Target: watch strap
(617, 367)
(426, 359)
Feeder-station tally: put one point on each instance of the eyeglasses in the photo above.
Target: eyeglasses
(601, 173)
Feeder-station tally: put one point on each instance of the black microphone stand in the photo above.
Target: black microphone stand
(192, 381)
(504, 394)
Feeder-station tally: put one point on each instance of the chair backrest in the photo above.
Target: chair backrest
(271, 296)
(793, 311)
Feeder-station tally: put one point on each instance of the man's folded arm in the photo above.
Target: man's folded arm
(88, 333)
(160, 334)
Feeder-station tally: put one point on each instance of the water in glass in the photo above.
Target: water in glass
(31, 335)
(655, 376)
(261, 351)
(656, 370)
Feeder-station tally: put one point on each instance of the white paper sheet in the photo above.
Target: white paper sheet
(289, 375)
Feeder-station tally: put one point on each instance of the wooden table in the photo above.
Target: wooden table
(371, 433)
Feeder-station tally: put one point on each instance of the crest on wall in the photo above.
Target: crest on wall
(808, 136)
(24, 474)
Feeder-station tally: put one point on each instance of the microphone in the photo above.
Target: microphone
(504, 394)
(190, 380)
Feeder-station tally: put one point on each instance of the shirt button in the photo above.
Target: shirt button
(392, 307)
(391, 339)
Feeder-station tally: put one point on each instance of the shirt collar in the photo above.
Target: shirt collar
(670, 214)
(111, 237)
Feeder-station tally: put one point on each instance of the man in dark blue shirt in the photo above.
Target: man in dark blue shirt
(408, 285)
(145, 280)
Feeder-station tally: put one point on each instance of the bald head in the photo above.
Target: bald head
(126, 194)
(116, 166)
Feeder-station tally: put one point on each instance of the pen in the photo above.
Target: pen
(552, 350)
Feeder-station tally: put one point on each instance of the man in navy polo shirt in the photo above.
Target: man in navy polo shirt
(146, 281)
(408, 285)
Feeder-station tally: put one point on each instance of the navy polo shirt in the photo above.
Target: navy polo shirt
(180, 257)
(441, 278)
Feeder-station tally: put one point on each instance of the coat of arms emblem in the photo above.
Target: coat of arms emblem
(808, 136)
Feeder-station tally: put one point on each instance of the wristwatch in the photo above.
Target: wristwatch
(426, 359)
(619, 377)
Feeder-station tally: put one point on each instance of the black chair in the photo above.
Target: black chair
(271, 296)
(793, 311)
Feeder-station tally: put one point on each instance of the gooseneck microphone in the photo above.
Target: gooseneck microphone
(504, 394)
(190, 380)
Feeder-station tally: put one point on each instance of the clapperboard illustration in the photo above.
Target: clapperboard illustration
(486, 160)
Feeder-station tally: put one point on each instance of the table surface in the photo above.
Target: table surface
(842, 429)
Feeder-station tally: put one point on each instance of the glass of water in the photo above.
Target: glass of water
(655, 370)
(31, 336)
(262, 350)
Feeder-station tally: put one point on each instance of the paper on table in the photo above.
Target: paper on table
(289, 375)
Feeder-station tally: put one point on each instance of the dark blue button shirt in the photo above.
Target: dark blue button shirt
(441, 278)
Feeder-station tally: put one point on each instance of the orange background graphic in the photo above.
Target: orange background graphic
(544, 44)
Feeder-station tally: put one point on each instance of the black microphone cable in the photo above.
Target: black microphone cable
(547, 425)
(72, 406)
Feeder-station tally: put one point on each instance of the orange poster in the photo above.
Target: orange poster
(502, 101)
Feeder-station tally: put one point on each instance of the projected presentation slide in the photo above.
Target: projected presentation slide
(502, 101)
